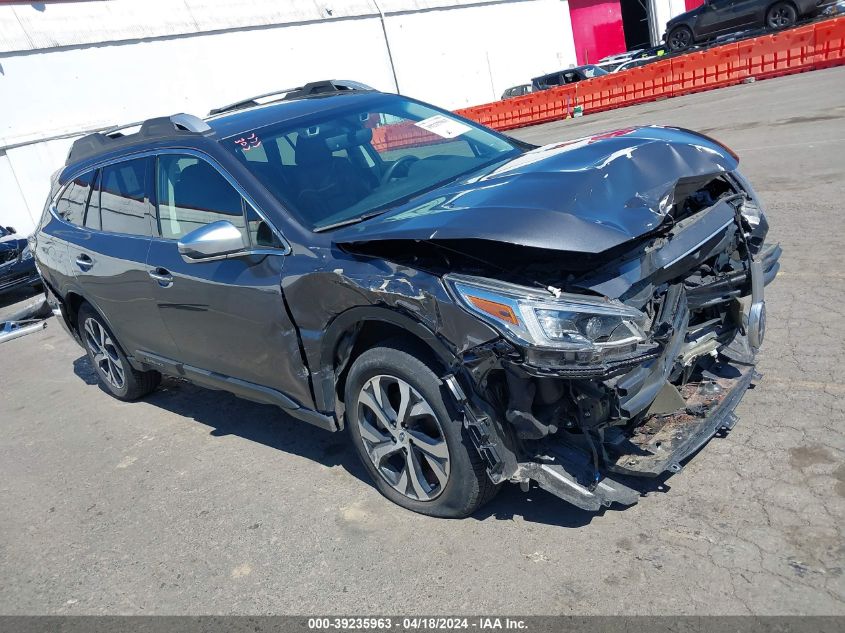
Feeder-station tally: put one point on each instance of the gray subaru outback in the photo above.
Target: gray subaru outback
(471, 309)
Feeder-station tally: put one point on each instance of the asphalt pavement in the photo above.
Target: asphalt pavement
(196, 502)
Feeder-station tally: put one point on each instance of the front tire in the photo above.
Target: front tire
(410, 437)
(781, 16)
(680, 39)
(115, 373)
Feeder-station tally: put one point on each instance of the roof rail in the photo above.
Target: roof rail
(311, 89)
(113, 137)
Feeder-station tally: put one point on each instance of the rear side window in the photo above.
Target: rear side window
(191, 193)
(71, 204)
(123, 198)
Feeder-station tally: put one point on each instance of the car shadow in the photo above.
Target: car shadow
(534, 506)
(227, 414)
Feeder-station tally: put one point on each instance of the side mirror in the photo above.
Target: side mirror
(11, 230)
(212, 241)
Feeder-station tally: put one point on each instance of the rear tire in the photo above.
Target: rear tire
(426, 460)
(679, 39)
(114, 372)
(781, 16)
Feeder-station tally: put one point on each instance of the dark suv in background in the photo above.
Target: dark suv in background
(718, 17)
(474, 310)
(567, 76)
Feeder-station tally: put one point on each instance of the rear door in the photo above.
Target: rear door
(109, 252)
(717, 17)
(226, 316)
(748, 13)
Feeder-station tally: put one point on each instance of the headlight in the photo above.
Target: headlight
(26, 253)
(567, 322)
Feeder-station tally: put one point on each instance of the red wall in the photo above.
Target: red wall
(597, 29)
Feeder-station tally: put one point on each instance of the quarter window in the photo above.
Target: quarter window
(71, 204)
(191, 194)
(92, 215)
(260, 233)
(123, 205)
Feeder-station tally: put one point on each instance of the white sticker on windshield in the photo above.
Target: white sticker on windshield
(443, 126)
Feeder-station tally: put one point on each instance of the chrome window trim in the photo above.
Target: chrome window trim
(286, 250)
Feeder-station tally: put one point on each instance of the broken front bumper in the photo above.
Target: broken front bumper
(659, 445)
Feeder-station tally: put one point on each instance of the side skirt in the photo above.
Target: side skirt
(241, 388)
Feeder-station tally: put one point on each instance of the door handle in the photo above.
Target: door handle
(162, 276)
(84, 262)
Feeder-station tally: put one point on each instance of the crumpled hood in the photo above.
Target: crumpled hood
(587, 195)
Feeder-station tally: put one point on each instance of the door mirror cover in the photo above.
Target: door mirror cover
(217, 240)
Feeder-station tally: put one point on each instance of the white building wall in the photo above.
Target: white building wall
(461, 57)
(660, 12)
(75, 67)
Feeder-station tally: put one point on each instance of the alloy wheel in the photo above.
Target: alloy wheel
(104, 353)
(680, 39)
(780, 17)
(403, 438)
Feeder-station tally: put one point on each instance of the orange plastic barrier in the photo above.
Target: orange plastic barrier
(819, 45)
(830, 43)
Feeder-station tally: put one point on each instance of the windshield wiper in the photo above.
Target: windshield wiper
(353, 220)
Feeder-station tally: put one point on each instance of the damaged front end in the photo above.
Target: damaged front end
(597, 388)
(616, 362)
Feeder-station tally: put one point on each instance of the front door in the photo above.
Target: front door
(226, 316)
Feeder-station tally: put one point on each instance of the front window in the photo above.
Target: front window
(358, 161)
(191, 194)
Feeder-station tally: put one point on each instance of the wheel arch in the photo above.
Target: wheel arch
(73, 301)
(68, 306)
(361, 328)
(688, 25)
(777, 2)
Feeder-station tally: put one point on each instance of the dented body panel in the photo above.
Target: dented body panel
(584, 196)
